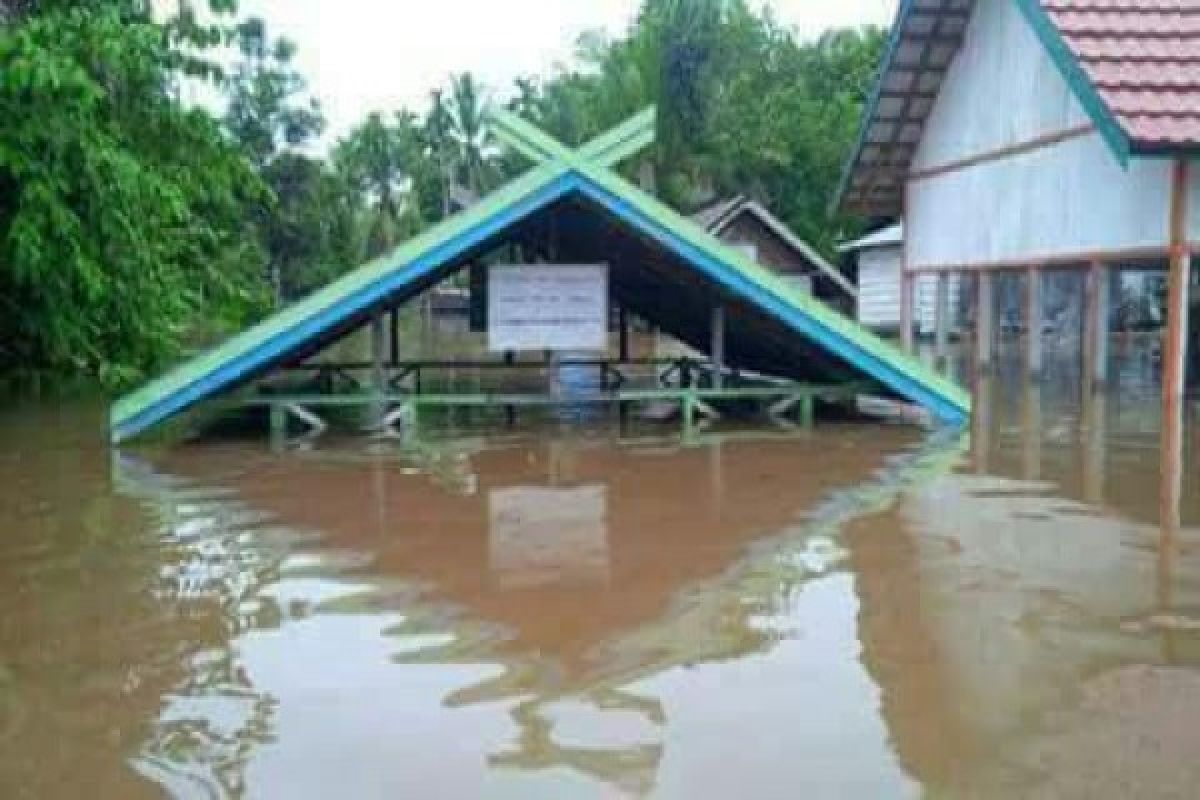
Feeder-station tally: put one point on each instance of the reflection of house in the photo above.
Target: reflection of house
(1029, 135)
(750, 227)
(877, 258)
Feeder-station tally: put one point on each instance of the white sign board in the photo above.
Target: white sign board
(548, 307)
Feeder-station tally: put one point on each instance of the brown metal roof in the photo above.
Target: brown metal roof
(1135, 65)
(1143, 58)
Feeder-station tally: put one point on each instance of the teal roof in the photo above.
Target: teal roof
(787, 314)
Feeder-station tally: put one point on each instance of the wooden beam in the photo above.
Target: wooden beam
(1034, 322)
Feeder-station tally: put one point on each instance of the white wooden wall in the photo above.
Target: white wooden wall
(1065, 199)
(879, 292)
(879, 287)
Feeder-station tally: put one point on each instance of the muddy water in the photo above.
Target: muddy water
(562, 612)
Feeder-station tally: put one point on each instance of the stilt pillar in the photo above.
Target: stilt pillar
(718, 347)
(985, 313)
(941, 334)
(394, 336)
(1175, 346)
(906, 310)
(378, 374)
(624, 321)
(1096, 326)
(1034, 322)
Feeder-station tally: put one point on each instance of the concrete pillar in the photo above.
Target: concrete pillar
(718, 346)
(1096, 326)
(985, 313)
(1034, 322)
(942, 321)
(906, 310)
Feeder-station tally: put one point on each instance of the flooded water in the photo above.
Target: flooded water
(560, 611)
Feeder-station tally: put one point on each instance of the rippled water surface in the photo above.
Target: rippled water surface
(559, 611)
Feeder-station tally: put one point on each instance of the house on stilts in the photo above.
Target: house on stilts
(749, 226)
(763, 340)
(1032, 135)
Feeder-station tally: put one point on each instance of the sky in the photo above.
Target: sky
(366, 55)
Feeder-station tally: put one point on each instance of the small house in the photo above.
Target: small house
(876, 260)
(748, 226)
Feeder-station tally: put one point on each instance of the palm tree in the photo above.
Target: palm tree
(467, 109)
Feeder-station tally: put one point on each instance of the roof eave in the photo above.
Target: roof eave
(894, 38)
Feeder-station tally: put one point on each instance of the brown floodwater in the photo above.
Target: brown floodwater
(572, 609)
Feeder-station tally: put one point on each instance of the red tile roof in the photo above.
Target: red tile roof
(1143, 57)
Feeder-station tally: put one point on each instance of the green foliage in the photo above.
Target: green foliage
(120, 211)
(380, 162)
(132, 227)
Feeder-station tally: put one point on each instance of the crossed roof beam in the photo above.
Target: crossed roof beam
(604, 152)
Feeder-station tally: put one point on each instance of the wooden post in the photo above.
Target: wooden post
(1095, 413)
(395, 336)
(1096, 327)
(1031, 432)
(1175, 346)
(624, 322)
(906, 310)
(984, 327)
(981, 422)
(1034, 322)
(718, 346)
(378, 374)
(942, 321)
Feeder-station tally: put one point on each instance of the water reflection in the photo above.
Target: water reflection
(559, 588)
(859, 610)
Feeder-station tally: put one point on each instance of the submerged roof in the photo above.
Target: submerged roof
(716, 220)
(670, 271)
(1134, 66)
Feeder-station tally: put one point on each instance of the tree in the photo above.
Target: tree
(379, 161)
(467, 109)
(122, 214)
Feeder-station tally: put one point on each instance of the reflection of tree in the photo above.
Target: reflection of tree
(212, 720)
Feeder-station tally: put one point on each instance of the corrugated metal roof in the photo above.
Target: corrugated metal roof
(1143, 57)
